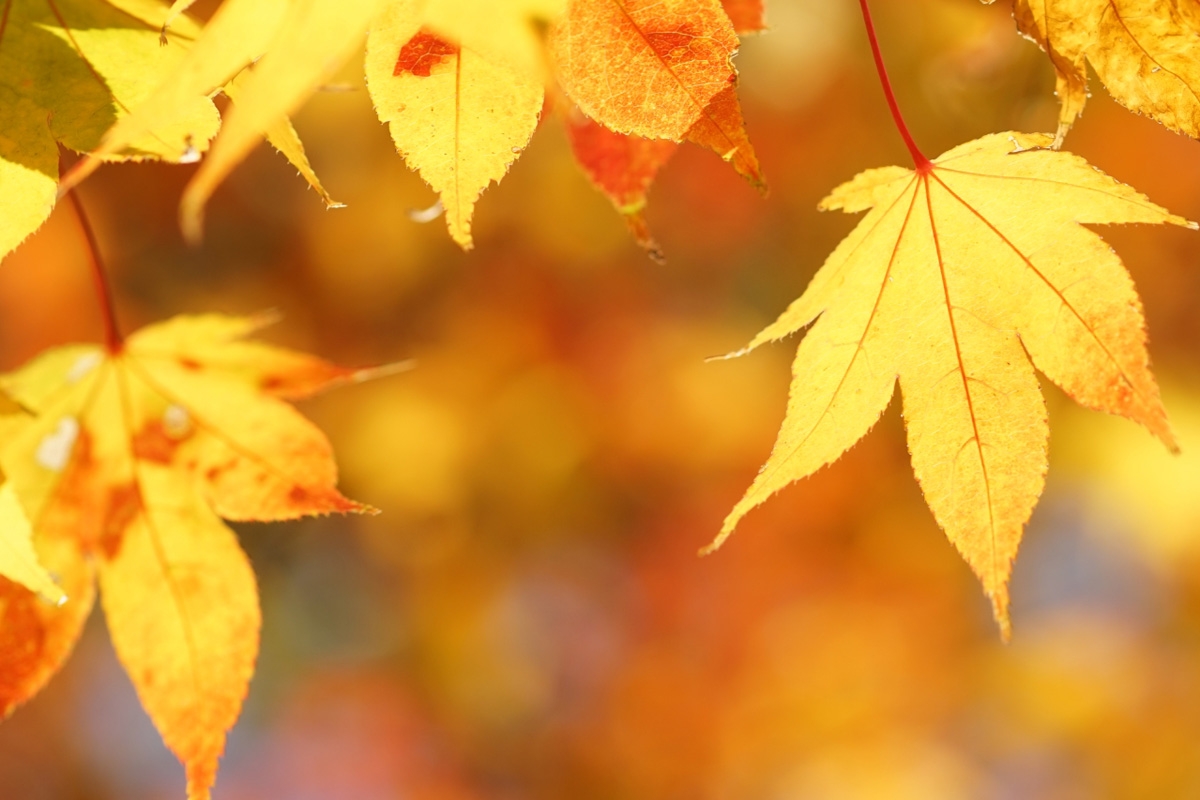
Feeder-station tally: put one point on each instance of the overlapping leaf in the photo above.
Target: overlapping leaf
(220, 59)
(1144, 51)
(69, 70)
(622, 155)
(961, 279)
(19, 562)
(124, 470)
(746, 15)
(621, 166)
(458, 82)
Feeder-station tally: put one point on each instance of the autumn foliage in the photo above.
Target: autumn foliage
(541, 417)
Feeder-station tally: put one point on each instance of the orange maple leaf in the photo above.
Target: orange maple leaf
(964, 276)
(124, 470)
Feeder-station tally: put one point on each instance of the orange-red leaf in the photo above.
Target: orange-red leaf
(721, 129)
(746, 15)
(647, 67)
(623, 167)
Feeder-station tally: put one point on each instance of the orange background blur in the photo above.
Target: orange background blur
(528, 618)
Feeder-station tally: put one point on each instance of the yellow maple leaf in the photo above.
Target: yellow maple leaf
(964, 276)
(69, 69)
(1144, 51)
(310, 40)
(132, 456)
(459, 115)
(219, 60)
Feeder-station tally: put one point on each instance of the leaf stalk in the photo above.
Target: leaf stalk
(923, 164)
(113, 341)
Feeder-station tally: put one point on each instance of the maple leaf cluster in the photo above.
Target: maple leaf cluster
(968, 272)
(461, 84)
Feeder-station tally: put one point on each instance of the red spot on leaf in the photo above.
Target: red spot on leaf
(124, 504)
(154, 443)
(422, 53)
(189, 364)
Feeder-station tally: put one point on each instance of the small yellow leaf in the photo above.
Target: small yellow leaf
(311, 42)
(459, 116)
(961, 279)
(283, 137)
(237, 34)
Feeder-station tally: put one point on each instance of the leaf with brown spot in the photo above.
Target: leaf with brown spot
(961, 280)
(459, 115)
(128, 462)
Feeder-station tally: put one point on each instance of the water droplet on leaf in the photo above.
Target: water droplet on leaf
(54, 451)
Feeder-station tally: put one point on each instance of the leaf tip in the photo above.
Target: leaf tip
(730, 355)
(1000, 613)
(726, 531)
(382, 371)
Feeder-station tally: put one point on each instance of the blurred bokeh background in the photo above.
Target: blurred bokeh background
(528, 617)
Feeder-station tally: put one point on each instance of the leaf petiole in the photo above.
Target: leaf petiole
(922, 163)
(113, 341)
